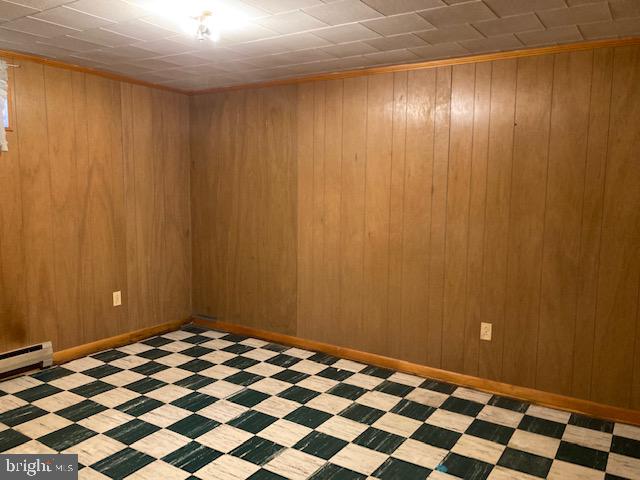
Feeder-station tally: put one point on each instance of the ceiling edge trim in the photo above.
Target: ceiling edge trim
(485, 57)
(17, 56)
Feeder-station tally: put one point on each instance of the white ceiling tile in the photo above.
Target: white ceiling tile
(247, 34)
(517, 7)
(290, 58)
(346, 33)
(393, 56)
(618, 28)
(441, 50)
(170, 24)
(492, 44)
(183, 59)
(397, 24)
(10, 11)
(153, 64)
(297, 41)
(71, 43)
(41, 4)
(17, 37)
(165, 46)
(453, 33)
(71, 18)
(397, 42)
(202, 70)
(130, 52)
(551, 36)
(44, 50)
(140, 30)
(514, 24)
(343, 11)
(625, 8)
(37, 27)
(102, 56)
(278, 6)
(114, 10)
(393, 7)
(104, 37)
(127, 69)
(456, 14)
(243, 7)
(232, 66)
(589, 13)
(349, 49)
(298, 37)
(291, 22)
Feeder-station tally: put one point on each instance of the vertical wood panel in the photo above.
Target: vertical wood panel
(477, 215)
(332, 195)
(144, 204)
(279, 180)
(176, 284)
(35, 185)
(353, 209)
(413, 328)
(13, 307)
(456, 229)
(83, 172)
(104, 209)
(59, 91)
(600, 101)
(526, 223)
(438, 215)
(304, 112)
(319, 280)
(396, 206)
(617, 298)
(562, 229)
(496, 244)
(377, 193)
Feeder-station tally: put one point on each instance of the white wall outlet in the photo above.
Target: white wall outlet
(117, 299)
(485, 331)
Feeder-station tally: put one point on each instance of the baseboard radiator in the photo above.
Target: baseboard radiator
(25, 359)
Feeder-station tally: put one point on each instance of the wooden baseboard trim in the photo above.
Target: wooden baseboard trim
(531, 395)
(72, 353)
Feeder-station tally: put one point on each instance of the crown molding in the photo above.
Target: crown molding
(485, 57)
(17, 56)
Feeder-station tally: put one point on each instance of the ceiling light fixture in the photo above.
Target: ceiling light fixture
(204, 30)
(205, 19)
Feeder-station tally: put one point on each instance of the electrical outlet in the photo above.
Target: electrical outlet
(117, 299)
(485, 331)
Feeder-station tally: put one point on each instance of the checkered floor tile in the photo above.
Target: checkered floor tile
(203, 404)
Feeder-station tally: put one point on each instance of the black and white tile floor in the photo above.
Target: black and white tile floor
(202, 404)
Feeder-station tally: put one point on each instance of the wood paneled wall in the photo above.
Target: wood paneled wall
(393, 213)
(94, 198)
(243, 206)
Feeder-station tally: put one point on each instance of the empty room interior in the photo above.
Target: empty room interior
(320, 239)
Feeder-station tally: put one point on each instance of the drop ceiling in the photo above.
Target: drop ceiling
(289, 38)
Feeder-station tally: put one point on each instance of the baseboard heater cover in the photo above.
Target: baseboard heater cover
(25, 359)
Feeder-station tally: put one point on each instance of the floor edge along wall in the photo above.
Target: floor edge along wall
(528, 394)
(539, 397)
